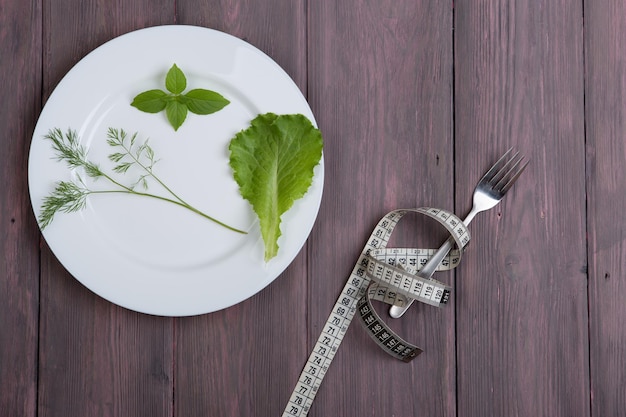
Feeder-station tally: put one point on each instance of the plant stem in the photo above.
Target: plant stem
(127, 190)
(72, 198)
(179, 201)
(149, 171)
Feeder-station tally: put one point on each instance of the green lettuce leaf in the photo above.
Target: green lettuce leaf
(272, 162)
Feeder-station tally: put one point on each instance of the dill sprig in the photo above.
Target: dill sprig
(130, 155)
(69, 150)
(68, 197)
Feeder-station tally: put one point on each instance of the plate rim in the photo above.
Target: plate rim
(65, 82)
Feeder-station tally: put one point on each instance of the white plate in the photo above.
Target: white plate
(143, 254)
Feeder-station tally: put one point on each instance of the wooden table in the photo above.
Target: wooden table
(415, 99)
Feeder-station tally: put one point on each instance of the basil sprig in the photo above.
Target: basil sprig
(175, 103)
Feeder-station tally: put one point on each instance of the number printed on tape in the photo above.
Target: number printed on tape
(384, 274)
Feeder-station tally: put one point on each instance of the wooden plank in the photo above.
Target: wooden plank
(522, 290)
(605, 93)
(236, 362)
(97, 358)
(20, 77)
(277, 28)
(380, 83)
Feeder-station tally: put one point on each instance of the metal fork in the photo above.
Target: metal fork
(488, 192)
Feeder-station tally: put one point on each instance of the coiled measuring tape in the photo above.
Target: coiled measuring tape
(383, 274)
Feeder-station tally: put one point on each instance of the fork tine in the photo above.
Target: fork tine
(496, 167)
(515, 176)
(487, 194)
(506, 168)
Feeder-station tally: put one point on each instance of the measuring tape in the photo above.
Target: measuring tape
(383, 274)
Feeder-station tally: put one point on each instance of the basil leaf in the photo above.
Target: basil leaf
(175, 103)
(201, 101)
(175, 81)
(272, 162)
(151, 101)
(176, 113)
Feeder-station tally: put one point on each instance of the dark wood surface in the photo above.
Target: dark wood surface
(415, 99)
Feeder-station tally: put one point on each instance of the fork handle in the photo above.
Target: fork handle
(426, 272)
(431, 266)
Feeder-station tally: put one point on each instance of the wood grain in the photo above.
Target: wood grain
(236, 362)
(415, 99)
(605, 94)
(522, 292)
(20, 78)
(97, 358)
(380, 83)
